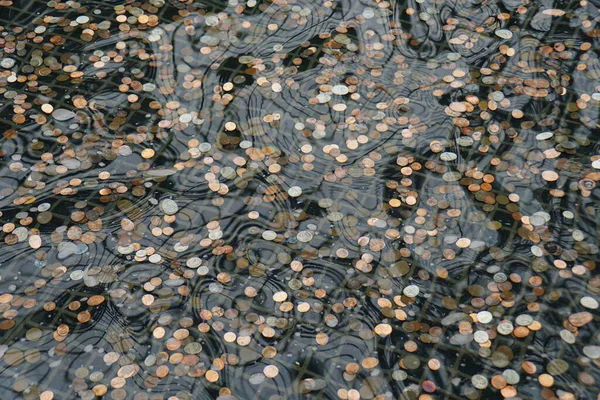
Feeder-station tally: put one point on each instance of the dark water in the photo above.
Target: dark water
(258, 199)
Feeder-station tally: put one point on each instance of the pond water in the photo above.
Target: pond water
(299, 199)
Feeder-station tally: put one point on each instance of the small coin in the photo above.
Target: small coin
(481, 336)
(592, 352)
(305, 236)
(504, 33)
(589, 302)
(479, 381)
(505, 328)
(340, 89)
(411, 291)
(169, 207)
(485, 317)
(61, 114)
(295, 191)
(271, 371)
(524, 320)
(269, 235)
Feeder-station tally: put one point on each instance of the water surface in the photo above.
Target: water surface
(283, 199)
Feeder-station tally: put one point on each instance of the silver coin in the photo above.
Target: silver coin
(411, 291)
(485, 317)
(481, 336)
(169, 207)
(305, 236)
(269, 235)
(479, 381)
(505, 328)
(524, 320)
(295, 191)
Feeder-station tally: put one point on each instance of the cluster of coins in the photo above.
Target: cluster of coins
(275, 199)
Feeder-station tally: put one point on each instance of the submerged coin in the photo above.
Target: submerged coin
(295, 191)
(269, 189)
(61, 114)
(411, 291)
(504, 33)
(479, 381)
(169, 207)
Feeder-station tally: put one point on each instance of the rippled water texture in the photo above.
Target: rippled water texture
(294, 199)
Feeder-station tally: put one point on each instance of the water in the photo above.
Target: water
(299, 200)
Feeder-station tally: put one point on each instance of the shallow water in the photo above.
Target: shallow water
(342, 199)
